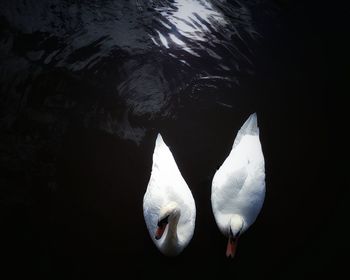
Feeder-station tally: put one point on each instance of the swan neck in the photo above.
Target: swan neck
(172, 226)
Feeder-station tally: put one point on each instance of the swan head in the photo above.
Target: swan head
(234, 230)
(169, 214)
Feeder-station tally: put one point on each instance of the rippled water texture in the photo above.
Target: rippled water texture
(144, 54)
(85, 86)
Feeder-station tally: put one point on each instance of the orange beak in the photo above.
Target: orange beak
(231, 247)
(159, 232)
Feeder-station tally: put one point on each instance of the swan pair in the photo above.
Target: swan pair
(238, 192)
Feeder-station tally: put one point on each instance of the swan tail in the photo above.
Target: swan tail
(159, 141)
(250, 127)
(160, 153)
(163, 158)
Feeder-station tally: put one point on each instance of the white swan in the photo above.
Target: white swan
(238, 187)
(168, 205)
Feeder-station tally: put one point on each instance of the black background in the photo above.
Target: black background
(89, 223)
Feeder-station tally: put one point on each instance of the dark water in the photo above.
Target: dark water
(85, 88)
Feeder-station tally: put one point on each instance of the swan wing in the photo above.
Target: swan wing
(167, 184)
(250, 127)
(238, 186)
(226, 186)
(153, 200)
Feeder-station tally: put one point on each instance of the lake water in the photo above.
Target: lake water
(86, 87)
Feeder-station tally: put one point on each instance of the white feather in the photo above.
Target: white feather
(238, 186)
(166, 185)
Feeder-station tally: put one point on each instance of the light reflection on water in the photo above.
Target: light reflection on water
(146, 56)
(85, 85)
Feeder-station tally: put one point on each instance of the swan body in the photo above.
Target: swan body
(168, 205)
(238, 186)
